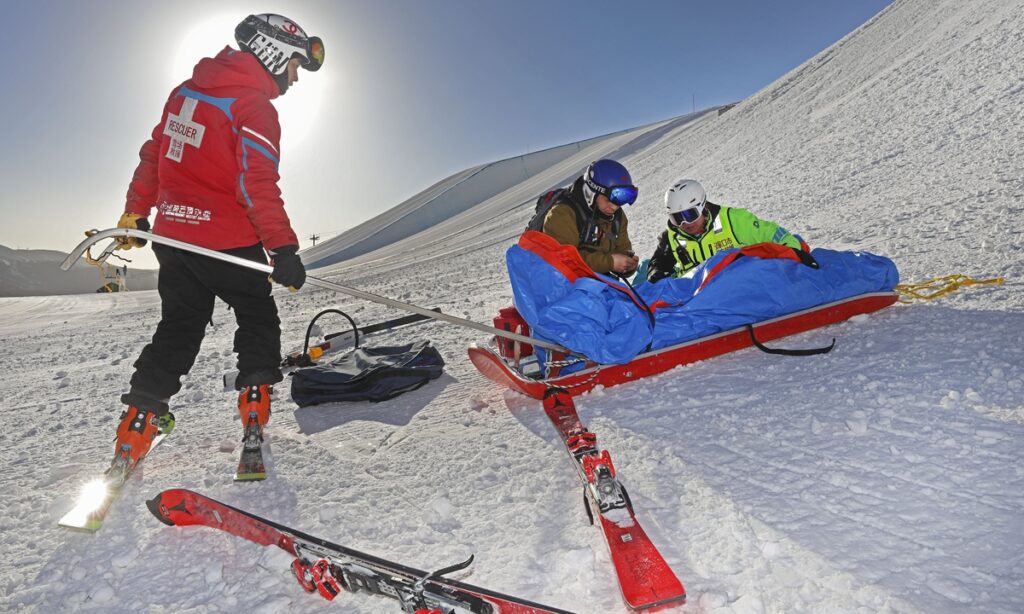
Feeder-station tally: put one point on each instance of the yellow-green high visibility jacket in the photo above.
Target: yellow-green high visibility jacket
(725, 227)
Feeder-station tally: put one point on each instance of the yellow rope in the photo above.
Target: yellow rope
(940, 286)
(103, 266)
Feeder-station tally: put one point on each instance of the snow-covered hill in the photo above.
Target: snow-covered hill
(883, 477)
(470, 188)
(36, 272)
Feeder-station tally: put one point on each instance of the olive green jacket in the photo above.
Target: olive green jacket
(601, 241)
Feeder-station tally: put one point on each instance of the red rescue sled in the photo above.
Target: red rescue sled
(528, 379)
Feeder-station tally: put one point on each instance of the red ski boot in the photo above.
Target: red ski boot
(135, 435)
(254, 402)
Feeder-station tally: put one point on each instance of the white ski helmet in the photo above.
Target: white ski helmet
(275, 40)
(685, 201)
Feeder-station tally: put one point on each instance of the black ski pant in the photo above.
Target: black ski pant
(188, 284)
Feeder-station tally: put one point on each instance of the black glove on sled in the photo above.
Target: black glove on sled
(288, 269)
(806, 258)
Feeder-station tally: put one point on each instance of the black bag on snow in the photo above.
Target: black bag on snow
(368, 374)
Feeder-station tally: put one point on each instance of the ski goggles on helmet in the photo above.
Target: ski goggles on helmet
(275, 40)
(314, 54)
(623, 194)
(618, 194)
(687, 216)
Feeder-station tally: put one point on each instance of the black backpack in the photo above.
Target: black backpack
(544, 204)
(584, 217)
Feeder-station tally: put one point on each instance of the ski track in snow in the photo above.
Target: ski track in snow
(883, 477)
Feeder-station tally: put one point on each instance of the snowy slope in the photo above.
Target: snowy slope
(35, 272)
(883, 477)
(474, 188)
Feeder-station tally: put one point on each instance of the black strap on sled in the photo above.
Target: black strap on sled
(786, 352)
(309, 331)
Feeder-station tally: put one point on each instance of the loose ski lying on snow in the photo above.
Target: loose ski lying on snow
(329, 569)
(528, 380)
(333, 344)
(646, 580)
(99, 495)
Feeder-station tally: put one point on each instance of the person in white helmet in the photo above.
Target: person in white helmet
(697, 229)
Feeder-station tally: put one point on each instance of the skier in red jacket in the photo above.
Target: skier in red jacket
(210, 171)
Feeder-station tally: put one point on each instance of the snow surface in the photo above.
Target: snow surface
(886, 476)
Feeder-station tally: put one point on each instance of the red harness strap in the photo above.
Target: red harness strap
(566, 260)
(759, 250)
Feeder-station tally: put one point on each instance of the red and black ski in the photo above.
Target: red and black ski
(646, 580)
(327, 568)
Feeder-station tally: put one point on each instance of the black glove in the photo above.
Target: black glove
(288, 269)
(806, 258)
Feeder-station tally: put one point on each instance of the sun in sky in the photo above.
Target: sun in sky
(298, 108)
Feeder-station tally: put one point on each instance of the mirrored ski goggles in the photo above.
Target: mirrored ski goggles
(620, 194)
(687, 216)
(314, 54)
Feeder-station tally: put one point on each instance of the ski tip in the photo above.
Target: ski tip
(88, 526)
(154, 506)
(251, 477)
(91, 506)
(556, 396)
(553, 390)
(658, 606)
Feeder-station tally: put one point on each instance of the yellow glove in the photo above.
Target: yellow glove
(132, 220)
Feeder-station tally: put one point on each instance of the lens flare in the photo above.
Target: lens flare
(93, 494)
(93, 497)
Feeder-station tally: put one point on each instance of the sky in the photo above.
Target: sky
(411, 92)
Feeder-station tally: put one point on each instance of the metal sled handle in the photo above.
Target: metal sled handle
(313, 281)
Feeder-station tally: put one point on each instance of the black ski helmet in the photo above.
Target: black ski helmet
(274, 40)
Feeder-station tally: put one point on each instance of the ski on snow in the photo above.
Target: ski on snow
(98, 496)
(250, 462)
(329, 569)
(645, 579)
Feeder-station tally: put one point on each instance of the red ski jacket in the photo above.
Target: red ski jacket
(210, 167)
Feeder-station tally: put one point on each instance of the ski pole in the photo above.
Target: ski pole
(313, 281)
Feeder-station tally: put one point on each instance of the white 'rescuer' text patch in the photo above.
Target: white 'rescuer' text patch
(182, 130)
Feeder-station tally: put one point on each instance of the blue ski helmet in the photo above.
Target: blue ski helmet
(611, 179)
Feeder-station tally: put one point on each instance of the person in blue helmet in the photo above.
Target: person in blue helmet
(588, 215)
